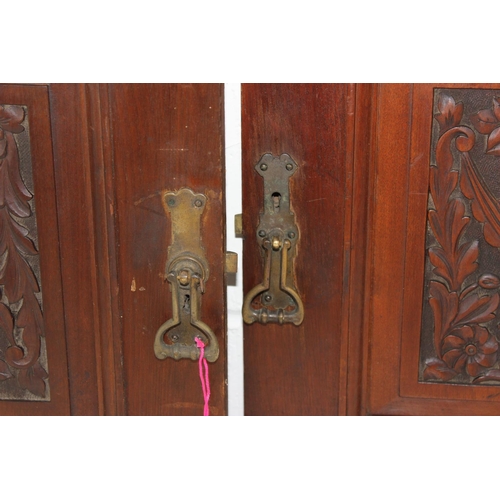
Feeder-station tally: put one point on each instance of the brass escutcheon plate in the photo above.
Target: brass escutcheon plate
(187, 272)
(276, 299)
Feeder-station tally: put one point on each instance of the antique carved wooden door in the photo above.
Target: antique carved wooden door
(394, 194)
(291, 368)
(93, 180)
(371, 235)
(431, 327)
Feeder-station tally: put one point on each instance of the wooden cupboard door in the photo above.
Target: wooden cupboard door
(431, 343)
(290, 369)
(165, 137)
(95, 160)
(396, 200)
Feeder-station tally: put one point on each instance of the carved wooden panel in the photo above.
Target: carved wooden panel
(460, 324)
(23, 357)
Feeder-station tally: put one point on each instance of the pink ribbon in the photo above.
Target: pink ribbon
(205, 383)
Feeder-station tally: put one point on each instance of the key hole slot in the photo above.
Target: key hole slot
(186, 306)
(276, 197)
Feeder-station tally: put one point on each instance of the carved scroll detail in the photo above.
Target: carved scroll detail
(464, 300)
(21, 320)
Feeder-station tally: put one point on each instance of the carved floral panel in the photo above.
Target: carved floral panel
(23, 357)
(460, 323)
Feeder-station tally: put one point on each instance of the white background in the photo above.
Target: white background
(232, 105)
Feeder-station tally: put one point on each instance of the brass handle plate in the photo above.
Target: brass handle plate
(187, 272)
(276, 299)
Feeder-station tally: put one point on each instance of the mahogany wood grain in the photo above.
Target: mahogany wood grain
(166, 137)
(357, 294)
(73, 172)
(105, 247)
(292, 370)
(102, 154)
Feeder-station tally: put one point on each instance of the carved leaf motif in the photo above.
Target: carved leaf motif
(20, 238)
(440, 190)
(30, 314)
(450, 113)
(484, 121)
(12, 278)
(452, 262)
(488, 375)
(13, 192)
(6, 320)
(473, 309)
(467, 260)
(31, 321)
(493, 144)
(443, 179)
(16, 276)
(11, 119)
(466, 185)
(32, 379)
(455, 223)
(449, 228)
(4, 371)
(487, 121)
(445, 307)
(441, 265)
(485, 207)
(496, 107)
(462, 264)
(438, 370)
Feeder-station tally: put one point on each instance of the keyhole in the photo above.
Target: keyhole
(276, 201)
(186, 306)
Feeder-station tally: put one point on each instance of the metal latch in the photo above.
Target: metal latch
(276, 299)
(187, 272)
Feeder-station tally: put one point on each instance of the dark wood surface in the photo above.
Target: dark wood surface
(106, 239)
(292, 370)
(101, 156)
(363, 314)
(395, 282)
(166, 137)
(356, 242)
(102, 227)
(37, 102)
(73, 172)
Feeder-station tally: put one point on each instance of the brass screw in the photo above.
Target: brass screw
(175, 337)
(263, 167)
(289, 166)
(171, 202)
(262, 233)
(198, 203)
(268, 298)
(291, 234)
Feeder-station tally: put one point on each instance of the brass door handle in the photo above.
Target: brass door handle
(187, 272)
(276, 299)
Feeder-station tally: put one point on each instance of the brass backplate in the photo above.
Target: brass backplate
(187, 272)
(276, 298)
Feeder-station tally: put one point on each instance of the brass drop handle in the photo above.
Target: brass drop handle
(276, 299)
(187, 272)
